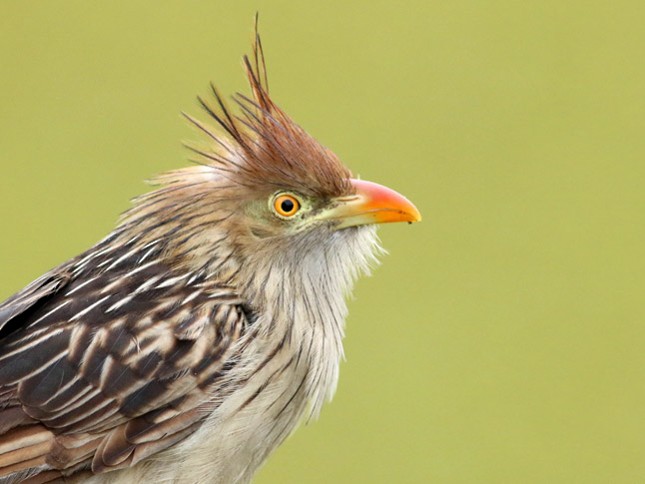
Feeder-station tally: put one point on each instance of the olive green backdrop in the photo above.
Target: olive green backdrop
(502, 340)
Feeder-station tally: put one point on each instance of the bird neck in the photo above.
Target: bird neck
(301, 297)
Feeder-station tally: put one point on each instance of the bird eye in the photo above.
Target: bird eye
(286, 205)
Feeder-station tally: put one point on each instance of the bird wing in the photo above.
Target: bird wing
(101, 370)
(34, 293)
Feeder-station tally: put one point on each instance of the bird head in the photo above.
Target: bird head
(264, 197)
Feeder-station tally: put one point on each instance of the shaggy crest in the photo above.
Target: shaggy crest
(262, 147)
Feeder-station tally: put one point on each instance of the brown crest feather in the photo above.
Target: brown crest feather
(262, 146)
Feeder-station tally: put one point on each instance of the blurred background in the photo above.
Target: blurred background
(503, 338)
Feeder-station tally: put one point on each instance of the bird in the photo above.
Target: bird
(192, 340)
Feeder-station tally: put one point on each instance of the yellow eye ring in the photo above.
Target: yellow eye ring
(286, 205)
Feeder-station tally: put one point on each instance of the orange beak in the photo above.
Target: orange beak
(372, 204)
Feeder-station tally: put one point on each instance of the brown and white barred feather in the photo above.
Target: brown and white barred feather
(109, 359)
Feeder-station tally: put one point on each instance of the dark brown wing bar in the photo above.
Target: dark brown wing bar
(102, 368)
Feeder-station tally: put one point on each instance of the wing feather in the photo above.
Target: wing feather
(99, 380)
(30, 296)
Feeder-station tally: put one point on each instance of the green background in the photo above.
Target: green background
(502, 340)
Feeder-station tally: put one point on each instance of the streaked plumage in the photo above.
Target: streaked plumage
(190, 342)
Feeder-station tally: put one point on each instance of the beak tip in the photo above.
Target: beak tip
(415, 215)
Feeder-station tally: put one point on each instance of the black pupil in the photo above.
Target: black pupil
(287, 205)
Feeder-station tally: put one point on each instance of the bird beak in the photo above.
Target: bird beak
(372, 204)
